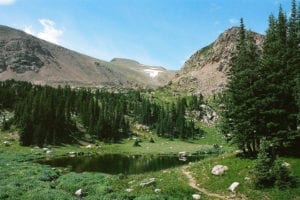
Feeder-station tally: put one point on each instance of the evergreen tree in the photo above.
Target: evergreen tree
(240, 116)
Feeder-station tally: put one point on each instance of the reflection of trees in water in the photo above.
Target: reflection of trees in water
(117, 163)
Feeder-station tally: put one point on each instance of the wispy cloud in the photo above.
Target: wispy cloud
(49, 33)
(7, 2)
(28, 30)
(233, 21)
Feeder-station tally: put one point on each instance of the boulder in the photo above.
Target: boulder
(219, 170)
(79, 193)
(285, 164)
(148, 182)
(129, 190)
(45, 149)
(6, 143)
(157, 190)
(233, 186)
(48, 152)
(196, 196)
(89, 146)
(182, 155)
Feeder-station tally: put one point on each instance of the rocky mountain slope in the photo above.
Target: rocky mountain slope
(25, 57)
(205, 71)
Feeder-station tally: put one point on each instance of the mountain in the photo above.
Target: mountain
(25, 57)
(206, 70)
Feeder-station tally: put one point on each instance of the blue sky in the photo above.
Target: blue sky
(154, 32)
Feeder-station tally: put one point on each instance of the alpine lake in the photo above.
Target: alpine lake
(119, 163)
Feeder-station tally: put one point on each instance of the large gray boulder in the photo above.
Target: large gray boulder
(219, 170)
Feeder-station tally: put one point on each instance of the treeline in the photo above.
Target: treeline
(169, 120)
(47, 115)
(262, 100)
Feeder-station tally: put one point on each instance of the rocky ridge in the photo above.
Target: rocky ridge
(27, 58)
(206, 70)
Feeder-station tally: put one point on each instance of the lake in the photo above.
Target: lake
(118, 163)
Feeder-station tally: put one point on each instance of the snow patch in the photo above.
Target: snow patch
(152, 72)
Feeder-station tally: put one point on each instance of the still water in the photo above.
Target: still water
(119, 163)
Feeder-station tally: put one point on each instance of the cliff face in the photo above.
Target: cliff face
(205, 71)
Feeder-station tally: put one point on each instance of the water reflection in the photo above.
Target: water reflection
(118, 163)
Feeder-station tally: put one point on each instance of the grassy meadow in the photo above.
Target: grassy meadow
(22, 178)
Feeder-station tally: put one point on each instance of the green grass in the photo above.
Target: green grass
(239, 168)
(21, 178)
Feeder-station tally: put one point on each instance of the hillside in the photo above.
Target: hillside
(27, 58)
(205, 71)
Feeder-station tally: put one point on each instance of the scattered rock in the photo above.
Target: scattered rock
(45, 149)
(157, 190)
(285, 164)
(209, 115)
(148, 182)
(238, 151)
(131, 182)
(88, 146)
(129, 190)
(182, 156)
(6, 143)
(196, 196)
(233, 186)
(79, 193)
(48, 152)
(219, 170)
(72, 154)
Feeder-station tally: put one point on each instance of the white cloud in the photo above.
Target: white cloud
(28, 30)
(233, 21)
(7, 2)
(49, 32)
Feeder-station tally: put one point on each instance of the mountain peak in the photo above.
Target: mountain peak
(206, 70)
(28, 58)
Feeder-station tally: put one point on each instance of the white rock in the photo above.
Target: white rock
(233, 186)
(45, 149)
(48, 152)
(219, 170)
(129, 190)
(79, 193)
(149, 182)
(247, 178)
(89, 146)
(285, 164)
(157, 190)
(196, 196)
(6, 143)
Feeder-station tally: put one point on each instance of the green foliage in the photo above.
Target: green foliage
(270, 171)
(263, 173)
(284, 178)
(262, 98)
(240, 100)
(48, 175)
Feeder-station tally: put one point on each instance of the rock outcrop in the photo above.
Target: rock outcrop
(206, 70)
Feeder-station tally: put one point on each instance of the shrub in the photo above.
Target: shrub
(283, 175)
